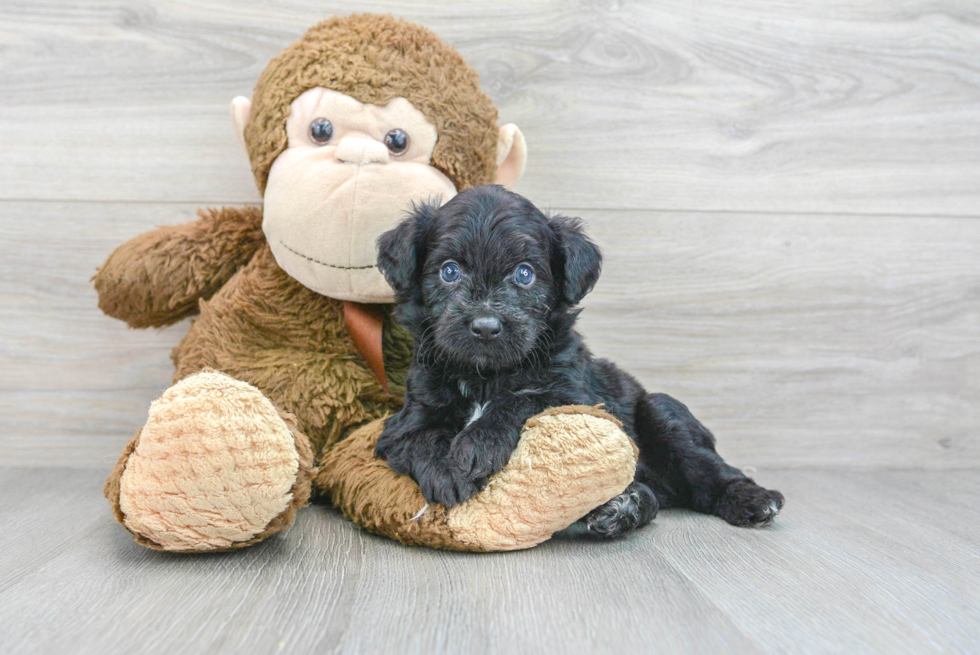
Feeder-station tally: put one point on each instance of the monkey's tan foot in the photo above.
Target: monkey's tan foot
(215, 467)
(569, 461)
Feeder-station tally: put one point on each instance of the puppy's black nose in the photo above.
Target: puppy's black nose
(485, 328)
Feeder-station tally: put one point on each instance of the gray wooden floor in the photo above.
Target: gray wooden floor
(788, 196)
(858, 562)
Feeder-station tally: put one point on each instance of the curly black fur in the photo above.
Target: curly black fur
(472, 387)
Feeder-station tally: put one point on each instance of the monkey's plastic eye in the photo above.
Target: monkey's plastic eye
(320, 131)
(449, 272)
(397, 141)
(524, 275)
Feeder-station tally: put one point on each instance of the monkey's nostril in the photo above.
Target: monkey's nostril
(486, 328)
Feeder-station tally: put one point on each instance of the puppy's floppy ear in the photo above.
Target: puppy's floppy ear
(401, 251)
(580, 260)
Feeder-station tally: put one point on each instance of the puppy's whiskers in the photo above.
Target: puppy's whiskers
(424, 345)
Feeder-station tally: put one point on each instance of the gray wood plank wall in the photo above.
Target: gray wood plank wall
(787, 194)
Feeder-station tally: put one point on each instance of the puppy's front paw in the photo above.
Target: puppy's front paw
(391, 448)
(476, 454)
(442, 484)
(745, 503)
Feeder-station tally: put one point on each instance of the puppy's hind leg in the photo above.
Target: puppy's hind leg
(679, 462)
(633, 508)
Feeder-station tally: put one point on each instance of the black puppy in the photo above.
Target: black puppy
(487, 285)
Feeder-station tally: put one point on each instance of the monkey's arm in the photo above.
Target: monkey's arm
(157, 278)
(569, 461)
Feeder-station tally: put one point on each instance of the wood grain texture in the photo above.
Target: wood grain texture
(801, 340)
(755, 105)
(849, 567)
(786, 194)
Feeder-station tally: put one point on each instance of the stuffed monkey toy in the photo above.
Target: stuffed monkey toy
(284, 378)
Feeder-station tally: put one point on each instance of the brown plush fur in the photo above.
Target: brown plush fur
(356, 481)
(256, 323)
(578, 453)
(265, 328)
(157, 278)
(375, 59)
(259, 325)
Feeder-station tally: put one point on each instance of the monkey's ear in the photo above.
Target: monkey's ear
(511, 156)
(401, 251)
(580, 259)
(240, 108)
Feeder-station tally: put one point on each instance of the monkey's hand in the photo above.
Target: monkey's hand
(157, 278)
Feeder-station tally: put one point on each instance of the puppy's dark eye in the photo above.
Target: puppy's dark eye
(321, 130)
(524, 275)
(397, 141)
(449, 272)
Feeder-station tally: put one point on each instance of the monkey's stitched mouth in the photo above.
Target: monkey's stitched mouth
(317, 261)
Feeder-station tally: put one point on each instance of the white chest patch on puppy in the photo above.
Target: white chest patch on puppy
(478, 410)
